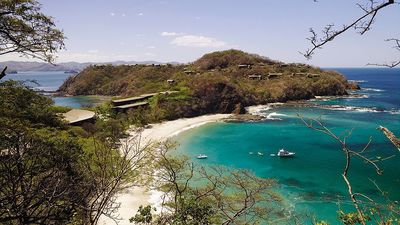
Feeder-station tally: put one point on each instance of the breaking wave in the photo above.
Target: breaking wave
(359, 81)
(327, 98)
(359, 109)
(261, 109)
(275, 116)
(372, 89)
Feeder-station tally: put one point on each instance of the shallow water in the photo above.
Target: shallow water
(311, 182)
(51, 81)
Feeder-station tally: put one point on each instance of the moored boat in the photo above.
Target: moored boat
(284, 153)
(202, 156)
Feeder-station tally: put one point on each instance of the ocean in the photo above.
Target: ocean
(311, 182)
(51, 81)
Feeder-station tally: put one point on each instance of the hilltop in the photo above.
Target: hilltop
(218, 82)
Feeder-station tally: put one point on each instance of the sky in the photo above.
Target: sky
(184, 30)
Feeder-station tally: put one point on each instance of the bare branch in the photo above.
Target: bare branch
(319, 126)
(393, 63)
(390, 136)
(363, 24)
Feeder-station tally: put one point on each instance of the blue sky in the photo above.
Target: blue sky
(183, 30)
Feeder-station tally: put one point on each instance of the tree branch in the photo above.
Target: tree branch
(329, 33)
(3, 73)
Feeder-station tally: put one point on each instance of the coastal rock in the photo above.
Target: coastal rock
(353, 85)
(244, 118)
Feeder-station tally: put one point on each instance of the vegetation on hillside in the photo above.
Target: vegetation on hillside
(213, 84)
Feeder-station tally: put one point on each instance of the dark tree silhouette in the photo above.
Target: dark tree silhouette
(25, 30)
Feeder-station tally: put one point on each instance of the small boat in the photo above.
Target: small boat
(260, 153)
(251, 153)
(284, 153)
(201, 156)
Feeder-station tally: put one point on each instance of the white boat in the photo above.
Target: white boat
(260, 153)
(284, 153)
(201, 156)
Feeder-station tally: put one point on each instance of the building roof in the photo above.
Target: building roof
(130, 99)
(255, 75)
(127, 106)
(78, 115)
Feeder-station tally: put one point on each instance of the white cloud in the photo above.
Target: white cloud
(123, 14)
(169, 34)
(112, 14)
(140, 14)
(197, 41)
(151, 47)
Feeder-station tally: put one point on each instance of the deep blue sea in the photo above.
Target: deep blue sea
(51, 81)
(311, 183)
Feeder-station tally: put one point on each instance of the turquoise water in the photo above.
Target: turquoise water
(311, 182)
(51, 81)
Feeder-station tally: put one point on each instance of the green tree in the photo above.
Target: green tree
(41, 180)
(19, 103)
(25, 30)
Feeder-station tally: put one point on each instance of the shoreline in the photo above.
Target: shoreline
(133, 197)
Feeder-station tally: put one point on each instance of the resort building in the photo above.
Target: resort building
(300, 74)
(189, 72)
(244, 66)
(274, 75)
(311, 75)
(79, 116)
(255, 77)
(135, 102)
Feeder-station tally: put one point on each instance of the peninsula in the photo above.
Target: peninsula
(218, 82)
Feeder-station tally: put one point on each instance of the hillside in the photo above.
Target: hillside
(221, 82)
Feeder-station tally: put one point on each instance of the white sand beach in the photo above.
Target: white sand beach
(132, 198)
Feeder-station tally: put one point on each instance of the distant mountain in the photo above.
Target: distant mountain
(66, 66)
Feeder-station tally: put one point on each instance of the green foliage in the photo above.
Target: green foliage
(351, 218)
(54, 174)
(60, 109)
(23, 104)
(40, 181)
(225, 59)
(143, 216)
(77, 131)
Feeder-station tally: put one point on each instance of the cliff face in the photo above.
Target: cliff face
(218, 82)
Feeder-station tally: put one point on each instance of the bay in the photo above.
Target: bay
(51, 81)
(311, 183)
